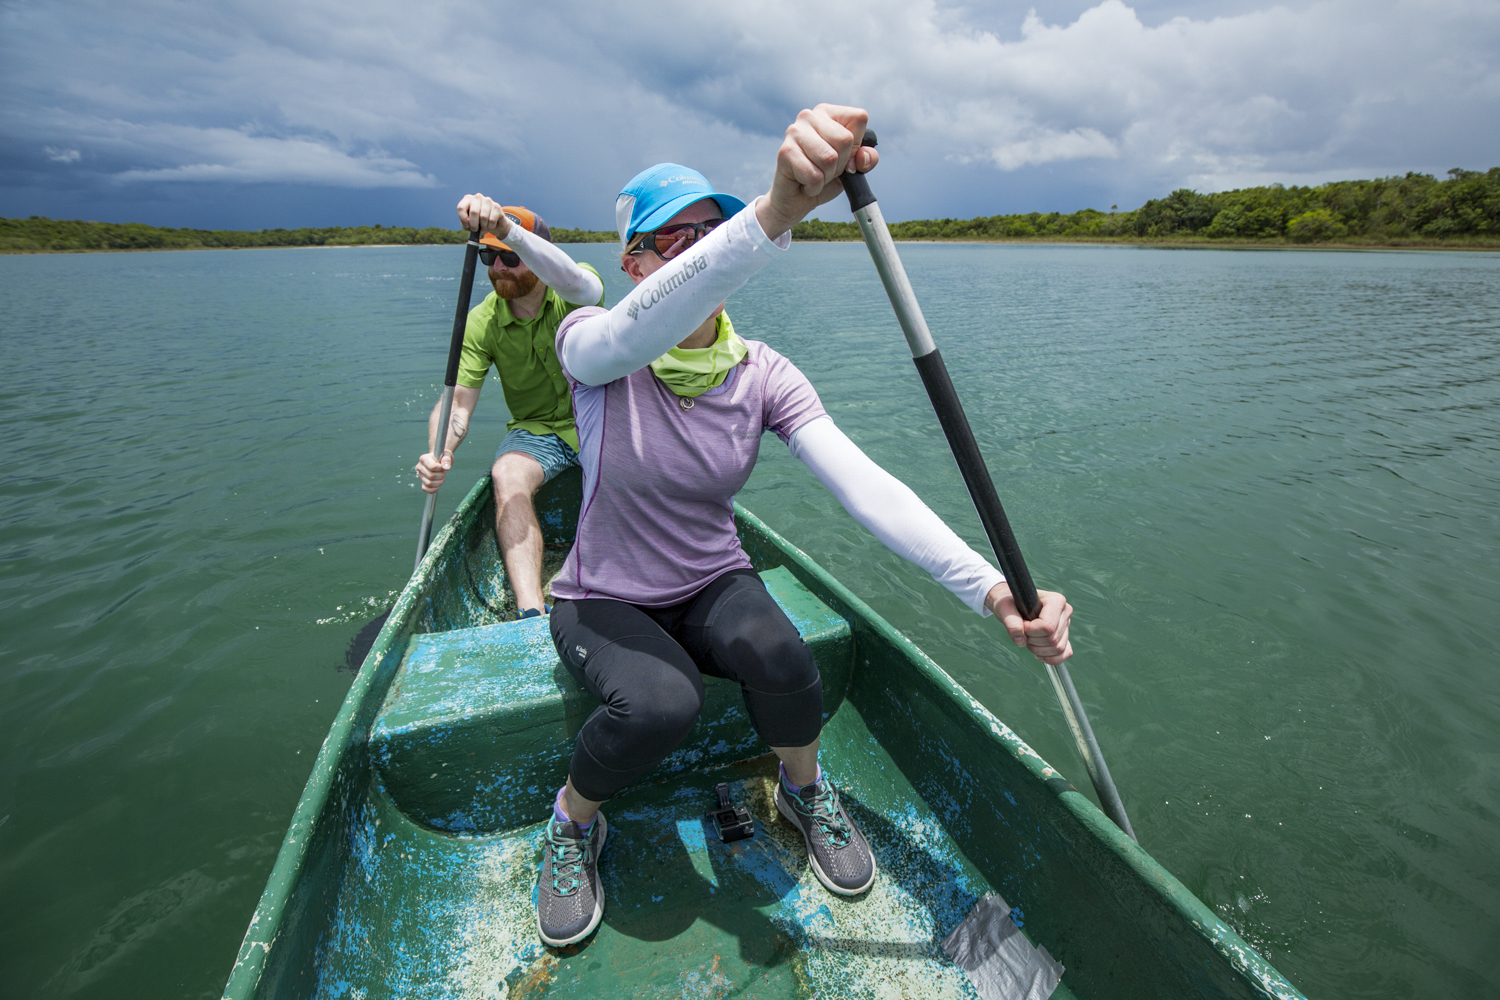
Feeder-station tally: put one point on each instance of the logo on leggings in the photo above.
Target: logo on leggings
(583, 654)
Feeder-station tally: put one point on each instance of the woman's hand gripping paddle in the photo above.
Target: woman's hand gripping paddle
(450, 379)
(955, 425)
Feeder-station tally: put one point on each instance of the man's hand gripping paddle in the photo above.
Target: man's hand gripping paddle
(450, 379)
(976, 475)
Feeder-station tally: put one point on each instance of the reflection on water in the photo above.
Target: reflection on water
(1267, 481)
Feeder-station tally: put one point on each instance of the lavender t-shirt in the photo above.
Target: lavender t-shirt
(659, 476)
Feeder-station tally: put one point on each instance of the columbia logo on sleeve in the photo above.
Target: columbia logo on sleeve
(667, 286)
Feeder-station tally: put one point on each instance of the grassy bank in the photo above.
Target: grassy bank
(1417, 210)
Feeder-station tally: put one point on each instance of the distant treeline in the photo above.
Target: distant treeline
(1417, 209)
(37, 233)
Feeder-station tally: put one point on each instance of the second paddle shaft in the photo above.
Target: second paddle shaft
(955, 424)
(450, 379)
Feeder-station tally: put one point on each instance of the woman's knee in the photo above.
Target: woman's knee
(669, 699)
(789, 667)
(652, 700)
(765, 650)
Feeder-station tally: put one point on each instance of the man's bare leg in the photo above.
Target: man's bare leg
(517, 477)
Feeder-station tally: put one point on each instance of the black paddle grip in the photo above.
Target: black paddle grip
(856, 186)
(461, 314)
(955, 423)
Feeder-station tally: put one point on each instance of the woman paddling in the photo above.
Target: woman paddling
(670, 405)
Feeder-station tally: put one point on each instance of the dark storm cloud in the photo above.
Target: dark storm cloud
(280, 113)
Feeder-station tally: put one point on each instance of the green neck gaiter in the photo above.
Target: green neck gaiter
(694, 371)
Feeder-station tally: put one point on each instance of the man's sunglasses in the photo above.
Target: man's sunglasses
(669, 241)
(507, 257)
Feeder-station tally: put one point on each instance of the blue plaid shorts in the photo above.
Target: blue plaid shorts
(551, 452)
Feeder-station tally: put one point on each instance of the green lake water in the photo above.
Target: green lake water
(1269, 483)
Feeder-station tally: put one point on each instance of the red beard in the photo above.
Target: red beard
(513, 285)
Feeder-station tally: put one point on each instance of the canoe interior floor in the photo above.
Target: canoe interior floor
(424, 914)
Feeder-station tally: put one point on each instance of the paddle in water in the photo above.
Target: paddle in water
(450, 379)
(976, 475)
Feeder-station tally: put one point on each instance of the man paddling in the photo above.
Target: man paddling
(515, 329)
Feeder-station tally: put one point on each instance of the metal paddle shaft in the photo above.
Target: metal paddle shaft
(976, 475)
(450, 379)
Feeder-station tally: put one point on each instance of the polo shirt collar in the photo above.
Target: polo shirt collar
(507, 318)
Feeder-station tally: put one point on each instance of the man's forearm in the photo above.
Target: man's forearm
(464, 399)
(458, 427)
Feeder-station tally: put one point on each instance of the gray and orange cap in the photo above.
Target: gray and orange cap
(523, 217)
(657, 193)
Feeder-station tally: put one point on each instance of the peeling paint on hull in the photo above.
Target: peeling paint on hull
(428, 915)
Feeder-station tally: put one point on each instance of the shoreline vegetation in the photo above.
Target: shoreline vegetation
(1414, 211)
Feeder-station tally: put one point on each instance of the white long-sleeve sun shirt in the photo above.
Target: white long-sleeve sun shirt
(664, 309)
(554, 268)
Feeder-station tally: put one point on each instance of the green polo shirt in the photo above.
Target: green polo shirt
(524, 352)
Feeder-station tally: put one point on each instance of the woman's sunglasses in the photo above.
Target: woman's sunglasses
(507, 257)
(669, 241)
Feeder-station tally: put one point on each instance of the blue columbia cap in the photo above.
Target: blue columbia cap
(656, 194)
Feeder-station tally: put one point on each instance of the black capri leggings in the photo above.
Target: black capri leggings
(645, 666)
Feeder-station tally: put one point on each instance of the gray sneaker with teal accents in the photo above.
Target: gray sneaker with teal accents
(569, 895)
(837, 851)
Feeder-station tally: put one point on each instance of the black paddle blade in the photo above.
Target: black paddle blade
(362, 643)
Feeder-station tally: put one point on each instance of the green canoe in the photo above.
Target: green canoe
(410, 865)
